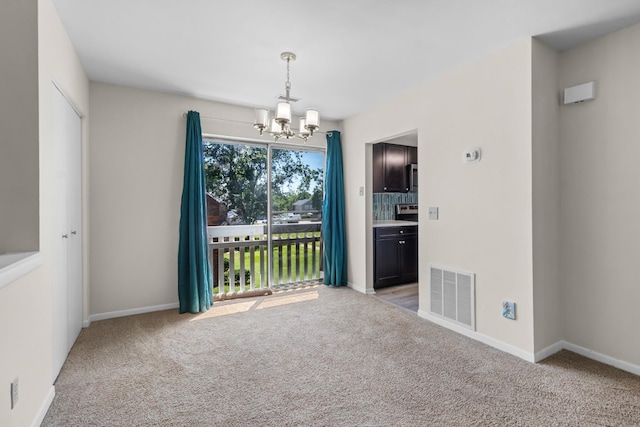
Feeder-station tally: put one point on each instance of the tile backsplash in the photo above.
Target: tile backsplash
(384, 204)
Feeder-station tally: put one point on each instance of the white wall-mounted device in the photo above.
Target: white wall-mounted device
(509, 310)
(433, 213)
(579, 93)
(472, 155)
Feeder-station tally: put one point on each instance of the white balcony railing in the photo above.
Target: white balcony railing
(239, 261)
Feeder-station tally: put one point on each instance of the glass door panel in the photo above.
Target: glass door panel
(297, 178)
(236, 186)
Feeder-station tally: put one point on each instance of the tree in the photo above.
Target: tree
(236, 175)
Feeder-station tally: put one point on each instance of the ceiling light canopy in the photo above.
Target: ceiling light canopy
(280, 125)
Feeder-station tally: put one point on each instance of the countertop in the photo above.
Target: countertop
(393, 223)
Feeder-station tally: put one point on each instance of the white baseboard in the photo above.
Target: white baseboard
(131, 312)
(602, 358)
(548, 351)
(42, 412)
(537, 357)
(492, 342)
(359, 288)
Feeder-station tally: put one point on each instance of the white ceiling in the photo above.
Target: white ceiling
(352, 54)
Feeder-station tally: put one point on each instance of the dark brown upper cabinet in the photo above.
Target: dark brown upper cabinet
(390, 167)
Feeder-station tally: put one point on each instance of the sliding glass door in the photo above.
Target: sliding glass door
(264, 207)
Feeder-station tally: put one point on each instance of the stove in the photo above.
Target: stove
(407, 212)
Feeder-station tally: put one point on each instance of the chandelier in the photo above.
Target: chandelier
(280, 125)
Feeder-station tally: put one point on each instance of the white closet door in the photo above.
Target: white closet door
(66, 228)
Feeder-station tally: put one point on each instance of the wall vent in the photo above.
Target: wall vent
(453, 296)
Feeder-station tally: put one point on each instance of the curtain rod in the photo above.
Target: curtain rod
(224, 120)
(241, 122)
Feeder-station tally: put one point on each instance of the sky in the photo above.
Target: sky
(314, 159)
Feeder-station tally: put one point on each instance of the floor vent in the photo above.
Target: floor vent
(453, 296)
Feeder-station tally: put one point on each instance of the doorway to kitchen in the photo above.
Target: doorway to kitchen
(394, 214)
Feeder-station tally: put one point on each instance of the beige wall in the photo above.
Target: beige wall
(25, 305)
(18, 126)
(600, 236)
(25, 313)
(137, 160)
(485, 208)
(546, 196)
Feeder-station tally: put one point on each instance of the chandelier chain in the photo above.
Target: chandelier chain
(287, 86)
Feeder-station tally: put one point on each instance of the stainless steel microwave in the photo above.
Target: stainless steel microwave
(412, 177)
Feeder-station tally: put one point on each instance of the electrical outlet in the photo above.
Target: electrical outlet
(361, 191)
(509, 309)
(14, 393)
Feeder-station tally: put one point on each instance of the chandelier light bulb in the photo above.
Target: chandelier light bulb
(262, 119)
(275, 127)
(283, 113)
(313, 118)
(303, 126)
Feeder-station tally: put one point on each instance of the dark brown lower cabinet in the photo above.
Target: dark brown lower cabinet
(395, 255)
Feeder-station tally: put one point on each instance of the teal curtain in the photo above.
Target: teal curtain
(333, 220)
(194, 275)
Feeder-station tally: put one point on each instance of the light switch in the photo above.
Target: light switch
(433, 213)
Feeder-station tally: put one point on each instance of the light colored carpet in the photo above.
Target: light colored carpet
(322, 356)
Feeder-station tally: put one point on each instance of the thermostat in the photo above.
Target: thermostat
(472, 155)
